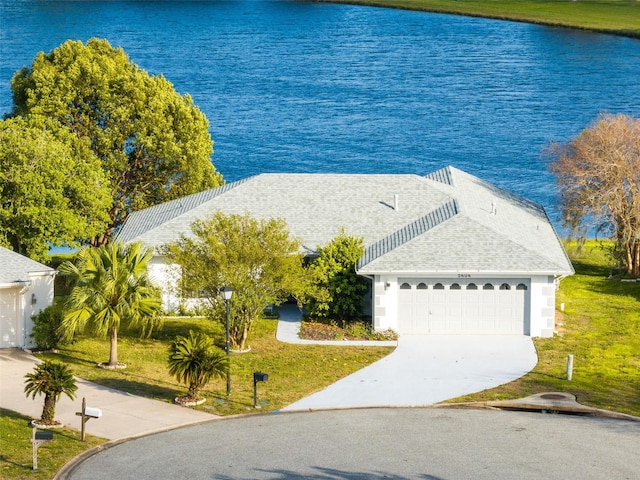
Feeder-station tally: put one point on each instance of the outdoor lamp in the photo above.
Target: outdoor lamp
(226, 295)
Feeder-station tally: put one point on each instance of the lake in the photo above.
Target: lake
(307, 87)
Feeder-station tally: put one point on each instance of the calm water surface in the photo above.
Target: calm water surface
(304, 87)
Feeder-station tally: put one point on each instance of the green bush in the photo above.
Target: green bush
(45, 328)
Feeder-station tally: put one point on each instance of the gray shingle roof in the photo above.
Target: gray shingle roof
(447, 221)
(15, 268)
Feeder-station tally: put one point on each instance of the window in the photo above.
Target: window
(472, 286)
(521, 286)
(422, 286)
(438, 286)
(455, 286)
(405, 286)
(505, 286)
(487, 286)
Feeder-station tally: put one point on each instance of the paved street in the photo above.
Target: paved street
(379, 443)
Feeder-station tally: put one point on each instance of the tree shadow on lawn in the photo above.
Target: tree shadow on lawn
(605, 284)
(139, 388)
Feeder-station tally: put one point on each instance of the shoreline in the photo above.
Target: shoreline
(460, 9)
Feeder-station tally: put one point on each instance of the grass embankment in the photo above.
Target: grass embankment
(620, 17)
(600, 327)
(15, 444)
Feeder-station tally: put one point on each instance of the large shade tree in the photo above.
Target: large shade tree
(258, 259)
(598, 175)
(110, 290)
(52, 189)
(153, 143)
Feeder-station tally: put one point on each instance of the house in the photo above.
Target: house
(26, 287)
(445, 253)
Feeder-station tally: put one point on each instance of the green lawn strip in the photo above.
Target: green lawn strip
(621, 17)
(601, 329)
(295, 371)
(16, 459)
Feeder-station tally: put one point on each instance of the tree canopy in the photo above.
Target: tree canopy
(256, 258)
(52, 189)
(338, 290)
(153, 143)
(598, 175)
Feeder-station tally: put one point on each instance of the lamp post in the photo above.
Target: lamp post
(226, 294)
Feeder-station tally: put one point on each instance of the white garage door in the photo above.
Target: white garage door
(471, 306)
(9, 319)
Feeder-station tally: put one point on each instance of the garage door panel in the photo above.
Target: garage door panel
(9, 320)
(474, 306)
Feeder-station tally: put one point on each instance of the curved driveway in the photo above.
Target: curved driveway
(379, 443)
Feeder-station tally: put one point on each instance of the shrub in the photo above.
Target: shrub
(45, 328)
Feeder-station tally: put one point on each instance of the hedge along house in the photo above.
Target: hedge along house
(445, 253)
(26, 287)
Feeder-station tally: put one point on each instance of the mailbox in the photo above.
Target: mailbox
(92, 412)
(44, 436)
(260, 377)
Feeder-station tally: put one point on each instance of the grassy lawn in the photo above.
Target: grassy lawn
(16, 461)
(294, 371)
(601, 329)
(621, 17)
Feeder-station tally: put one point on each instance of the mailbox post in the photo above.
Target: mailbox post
(258, 377)
(86, 414)
(37, 439)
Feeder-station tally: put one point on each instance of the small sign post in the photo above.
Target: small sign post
(258, 377)
(37, 439)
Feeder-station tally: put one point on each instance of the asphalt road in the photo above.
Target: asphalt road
(379, 443)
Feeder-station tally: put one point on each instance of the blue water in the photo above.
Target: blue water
(305, 87)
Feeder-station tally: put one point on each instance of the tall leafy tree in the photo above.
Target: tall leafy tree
(598, 177)
(111, 290)
(153, 143)
(257, 258)
(52, 189)
(194, 361)
(338, 292)
(50, 379)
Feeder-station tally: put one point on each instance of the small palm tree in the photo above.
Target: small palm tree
(50, 379)
(194, 360)
(110, 289)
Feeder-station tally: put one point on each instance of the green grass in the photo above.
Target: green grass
(620, 17)
(16, 458)
(600, 327)
(295, 371)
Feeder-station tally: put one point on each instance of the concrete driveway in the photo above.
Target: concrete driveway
(427, 369)
(123, 415)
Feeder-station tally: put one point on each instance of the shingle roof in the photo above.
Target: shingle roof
(447, 221)
(15, 268)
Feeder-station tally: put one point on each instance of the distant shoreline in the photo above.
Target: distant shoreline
(614, 17)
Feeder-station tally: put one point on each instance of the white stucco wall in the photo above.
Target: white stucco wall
(37, 297)
(543, 301)
(385, 302)
(166, 277)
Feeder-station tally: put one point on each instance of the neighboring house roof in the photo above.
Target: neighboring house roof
(447, 222)
(16, 268)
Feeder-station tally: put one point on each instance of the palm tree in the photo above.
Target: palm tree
(194, 360)
(50, 379)
(110, 289)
